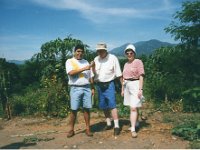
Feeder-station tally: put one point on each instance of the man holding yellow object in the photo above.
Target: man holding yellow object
(81, 82)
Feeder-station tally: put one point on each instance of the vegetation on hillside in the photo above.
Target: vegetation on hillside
(172, 74)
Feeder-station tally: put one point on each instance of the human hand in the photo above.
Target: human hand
(87, 67)
(92, 64)
(140, 93)
(122, 93)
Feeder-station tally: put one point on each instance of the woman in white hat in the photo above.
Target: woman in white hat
(132, 88)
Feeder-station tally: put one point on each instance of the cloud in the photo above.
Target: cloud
(102, 13)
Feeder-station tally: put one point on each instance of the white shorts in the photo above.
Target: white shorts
(131, 89)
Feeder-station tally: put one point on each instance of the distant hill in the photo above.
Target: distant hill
(17, 62)
(143, 47)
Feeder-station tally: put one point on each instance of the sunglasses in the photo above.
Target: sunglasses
(129, 53)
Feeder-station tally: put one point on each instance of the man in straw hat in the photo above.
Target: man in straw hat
(106, 70)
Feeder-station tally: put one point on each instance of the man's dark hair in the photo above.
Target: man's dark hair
(79, 46)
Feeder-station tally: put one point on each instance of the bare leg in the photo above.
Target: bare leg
(87, 118)
(133, 118)
(115, 117)
(114, 114)
(87, 122)
(107, 116)
(116, 121)
(72, 123)
(72, 119)
(107, 113)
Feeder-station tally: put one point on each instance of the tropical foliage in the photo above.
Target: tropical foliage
(43, 80)
(171, 73)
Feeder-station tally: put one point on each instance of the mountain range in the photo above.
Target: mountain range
(142, 47)
(17, 62)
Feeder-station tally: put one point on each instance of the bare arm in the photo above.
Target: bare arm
(141, 80)
(92, 85)
(121, 80)
(122, 84)
(74, 72)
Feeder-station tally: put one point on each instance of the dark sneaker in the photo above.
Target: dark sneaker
(70, 133)
(108, 127)
(88, 133)
(116, 131)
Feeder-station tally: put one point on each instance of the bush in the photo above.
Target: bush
(191, 100)
(56, 102)
(186, 125)
(189, 131)
(52, 101)
(18, 106)
(27, 103)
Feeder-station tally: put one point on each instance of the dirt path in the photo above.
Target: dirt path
(42, 133)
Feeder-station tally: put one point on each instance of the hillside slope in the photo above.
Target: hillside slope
(143, 47)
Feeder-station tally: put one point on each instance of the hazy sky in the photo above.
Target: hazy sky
(27, 24)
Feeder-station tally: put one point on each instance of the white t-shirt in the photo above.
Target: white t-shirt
(107, 69)
(81, 78)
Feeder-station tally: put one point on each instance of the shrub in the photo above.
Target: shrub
(189, 131)
(27, 103)
(191, 100)
(186, 125)
(52, 100)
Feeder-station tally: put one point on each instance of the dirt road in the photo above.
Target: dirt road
(44, 133)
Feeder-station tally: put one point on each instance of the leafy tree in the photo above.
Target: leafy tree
(188, 28)
(30, 72)
(172, 72)
(163, 81)
(188, 31)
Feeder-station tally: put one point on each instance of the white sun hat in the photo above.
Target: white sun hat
(130, 47)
